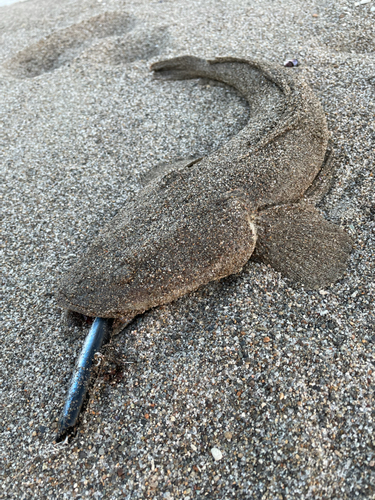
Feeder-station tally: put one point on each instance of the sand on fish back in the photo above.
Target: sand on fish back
(251, 387)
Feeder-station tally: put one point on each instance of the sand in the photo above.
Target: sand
(276, 379)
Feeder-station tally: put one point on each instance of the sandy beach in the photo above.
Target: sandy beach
(278, 380)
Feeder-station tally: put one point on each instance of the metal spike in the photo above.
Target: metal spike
(98, 334)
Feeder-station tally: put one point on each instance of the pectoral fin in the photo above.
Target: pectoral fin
(297, 241)
(162, 169)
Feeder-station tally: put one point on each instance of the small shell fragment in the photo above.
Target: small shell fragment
(290, 63)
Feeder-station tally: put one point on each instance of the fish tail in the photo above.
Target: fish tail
(241, 74)
(182, 68)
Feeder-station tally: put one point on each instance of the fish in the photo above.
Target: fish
(204, 219)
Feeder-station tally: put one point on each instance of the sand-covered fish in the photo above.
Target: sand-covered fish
(202, 221)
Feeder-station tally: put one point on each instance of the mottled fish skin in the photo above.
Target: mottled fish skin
(199, 223)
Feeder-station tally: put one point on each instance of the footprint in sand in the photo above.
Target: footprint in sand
(138, 44)
(85, 39)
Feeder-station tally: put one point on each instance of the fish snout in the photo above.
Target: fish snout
(93, 284)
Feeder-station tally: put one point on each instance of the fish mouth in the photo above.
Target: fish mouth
(73, 318)
(121, 318)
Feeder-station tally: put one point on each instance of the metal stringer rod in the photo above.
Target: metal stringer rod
(98, 334)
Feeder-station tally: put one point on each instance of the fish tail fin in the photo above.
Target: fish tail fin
(297, 241)
(181, 68)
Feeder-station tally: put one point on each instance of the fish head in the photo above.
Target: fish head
(152, 260)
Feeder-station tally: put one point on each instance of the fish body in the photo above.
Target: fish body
(203, 220)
